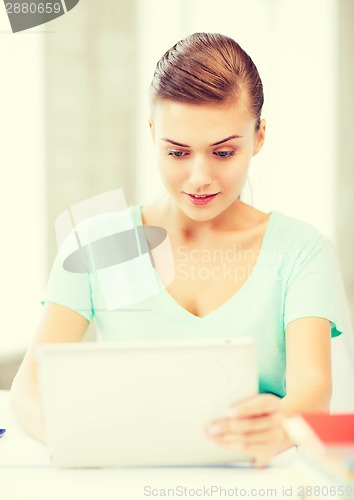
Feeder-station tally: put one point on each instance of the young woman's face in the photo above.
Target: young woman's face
(204, 152)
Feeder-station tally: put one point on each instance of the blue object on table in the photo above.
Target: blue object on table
(2, 432)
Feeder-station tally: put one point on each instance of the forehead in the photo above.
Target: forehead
(202, 122)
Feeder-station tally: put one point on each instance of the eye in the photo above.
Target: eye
(224, 154)
(177, 154)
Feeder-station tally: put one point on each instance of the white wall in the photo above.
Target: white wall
(293, 45)
(22, 249)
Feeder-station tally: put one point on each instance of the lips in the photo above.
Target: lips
(201, 199)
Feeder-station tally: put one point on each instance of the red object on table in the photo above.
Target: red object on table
(332, 430)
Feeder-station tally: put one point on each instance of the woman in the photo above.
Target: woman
(206, 102)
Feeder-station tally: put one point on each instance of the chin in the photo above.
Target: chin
(201, 214)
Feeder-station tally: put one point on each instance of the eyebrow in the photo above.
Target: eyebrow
(214, 144)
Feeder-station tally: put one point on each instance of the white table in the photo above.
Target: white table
(26, 473)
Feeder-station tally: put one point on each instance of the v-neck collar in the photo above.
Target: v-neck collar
(263, 249)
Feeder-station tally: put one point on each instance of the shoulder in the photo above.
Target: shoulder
(292, 242)
(290, 231)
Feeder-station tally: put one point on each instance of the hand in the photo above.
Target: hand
(253, 426)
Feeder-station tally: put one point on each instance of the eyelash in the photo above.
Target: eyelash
(228, 154)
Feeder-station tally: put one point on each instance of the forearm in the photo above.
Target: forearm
(26, 405)
(58, 324)
(306, 400)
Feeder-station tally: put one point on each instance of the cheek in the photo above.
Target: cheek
(238, 173)
(234, 177)
(171, 175)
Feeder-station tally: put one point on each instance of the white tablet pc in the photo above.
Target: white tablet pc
(143, 403)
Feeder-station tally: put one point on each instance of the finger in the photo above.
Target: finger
(262, 404)
(262, 454)
(259, 453)
(240, 426)
(265, 438)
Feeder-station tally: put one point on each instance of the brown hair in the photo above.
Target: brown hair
(207, 68)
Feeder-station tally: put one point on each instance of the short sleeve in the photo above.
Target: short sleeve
(72, 290)
(315, 286)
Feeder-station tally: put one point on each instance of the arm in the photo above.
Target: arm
(308, 366)
(255, 426)
(58, 324)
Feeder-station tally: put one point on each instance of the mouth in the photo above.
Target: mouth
(201, 199)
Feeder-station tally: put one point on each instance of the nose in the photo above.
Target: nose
(199, 174)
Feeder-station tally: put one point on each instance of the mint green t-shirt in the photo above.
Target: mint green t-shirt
(294, 277)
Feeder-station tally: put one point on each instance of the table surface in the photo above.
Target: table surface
(26, 472)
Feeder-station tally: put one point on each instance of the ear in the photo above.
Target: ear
(152, 129)
(259, 137)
